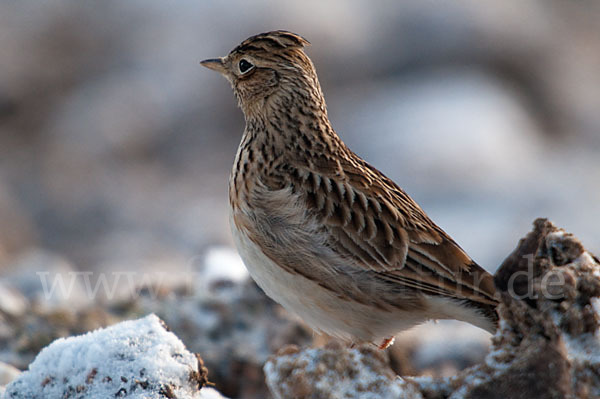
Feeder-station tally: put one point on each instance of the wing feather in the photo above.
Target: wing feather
(383, 230)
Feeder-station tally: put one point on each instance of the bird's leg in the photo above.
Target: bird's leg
(386, 343)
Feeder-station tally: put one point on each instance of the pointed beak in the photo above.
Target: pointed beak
(216, 64)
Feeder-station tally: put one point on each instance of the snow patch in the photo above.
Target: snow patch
(133, 359)
(223, 263)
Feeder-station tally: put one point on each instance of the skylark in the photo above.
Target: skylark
(320, 230)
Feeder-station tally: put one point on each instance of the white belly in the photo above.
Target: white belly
(318, 307)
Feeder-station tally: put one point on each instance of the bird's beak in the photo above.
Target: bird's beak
(216, 64)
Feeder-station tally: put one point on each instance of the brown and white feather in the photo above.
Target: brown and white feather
(323, 232)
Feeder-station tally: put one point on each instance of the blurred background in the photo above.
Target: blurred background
(116, 146)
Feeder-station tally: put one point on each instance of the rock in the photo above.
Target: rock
(215, 310)
(334, 372)
(235, 326)
(547, 345)
(21, 338)
(133, 359)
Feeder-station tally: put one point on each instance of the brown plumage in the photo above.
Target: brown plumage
(323, 232)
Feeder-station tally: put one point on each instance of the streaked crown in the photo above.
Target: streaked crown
(271, 42)
(266, 68)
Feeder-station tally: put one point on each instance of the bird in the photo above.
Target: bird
(320, 230)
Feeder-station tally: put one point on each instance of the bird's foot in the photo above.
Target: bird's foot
(386, 343)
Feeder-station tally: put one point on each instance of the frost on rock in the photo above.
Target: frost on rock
(232, 323)
(132, 359)
(215, 309)
(334, 372)
(547, 345)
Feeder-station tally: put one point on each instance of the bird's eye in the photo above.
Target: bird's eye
(245, 66)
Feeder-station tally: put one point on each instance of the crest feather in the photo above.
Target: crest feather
(278, 39)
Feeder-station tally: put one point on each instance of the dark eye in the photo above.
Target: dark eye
(245, 66)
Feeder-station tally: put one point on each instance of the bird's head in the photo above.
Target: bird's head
(267, 70)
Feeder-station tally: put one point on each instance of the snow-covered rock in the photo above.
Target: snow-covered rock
(547, 345)
(233, 324)
(214, 308)
(133, 359)
(334, 372)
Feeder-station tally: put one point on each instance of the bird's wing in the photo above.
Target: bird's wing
(374, 223)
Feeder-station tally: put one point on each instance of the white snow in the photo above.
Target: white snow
(210, 393)
(223, 263)
(133, 359)
(284, 374)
